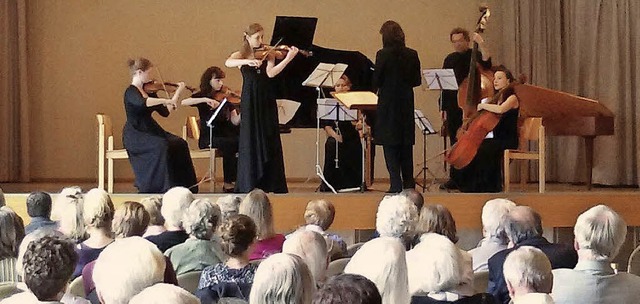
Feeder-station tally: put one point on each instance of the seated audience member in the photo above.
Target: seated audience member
(174, 202)
(11, 234)
(382, 260)
(436, 269)
(523, 227)
(599, 234)
(282, 278)
(311, 247)
(234, 277)
(494, 237)
(39, 209)
(67, 211)
(130, 219)
(257, 206)
(348, 289)
(200, 220)
(153, 204)
(229, 205)
(127, 267)
(3, 201)
(164, 294)
(319, 216)
(48, 264)
(415, 197)
(396, 217)
(98, 215)
(437, 219)
(527, 271)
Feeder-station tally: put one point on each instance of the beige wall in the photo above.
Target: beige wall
(78, 49)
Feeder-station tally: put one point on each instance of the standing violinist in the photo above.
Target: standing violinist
(260, 160)
(225, 130)
(484, 173)
(459, 61)
(160, 160)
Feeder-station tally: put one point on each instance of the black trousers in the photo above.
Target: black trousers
(229, 148)
(399, 160)
(454, 121)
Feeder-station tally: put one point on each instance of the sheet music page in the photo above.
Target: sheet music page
(357, 98)
(423, 122)
(318, 76)
(335, 74)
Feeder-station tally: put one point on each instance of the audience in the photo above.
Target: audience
(599, 234)
(257, 206)
(63, 198)
(396, 217)
(164, 294)
(130, 219)
(48, 264)
(39, 209)
(153, 204)
(229, 205)
(415, 197)
(437, 219)
(3, 201)
(234, 277)
(200, 220)
(311, 247)
(348, 289)
(127, 267)
(174, 202)
(494, 237)
(527, 271)
(67, 211)
(318, 217)
(282, 278)
(382, 260)
(523, 227)
(98, 215)
(11, 234)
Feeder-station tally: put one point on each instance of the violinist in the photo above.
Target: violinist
(484, 173)
(224, 135)
(260, 160)
(459, 61)
(160, 160)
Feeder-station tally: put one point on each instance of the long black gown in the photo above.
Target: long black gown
(260, 162)
(349, 171)
(160, 160)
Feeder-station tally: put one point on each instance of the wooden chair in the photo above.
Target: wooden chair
(189, 281)
(191, 130)
(105, 133)
(530, 130)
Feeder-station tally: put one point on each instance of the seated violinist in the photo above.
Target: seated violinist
(347, 173)
(484, 173)
(225, 131)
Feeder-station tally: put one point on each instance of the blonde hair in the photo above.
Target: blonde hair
(153, 204)
(320, 212)
(139, 63)
(97, 210)
(257, 206)
(312, 248)
(246, 49)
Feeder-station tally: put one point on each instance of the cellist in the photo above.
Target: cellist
(459, 61)
(484, 173)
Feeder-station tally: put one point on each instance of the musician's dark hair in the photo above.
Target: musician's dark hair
(246, 49)
(139, 63)
(392, 34)
(205, 80)
(459, 30)
(502, 68)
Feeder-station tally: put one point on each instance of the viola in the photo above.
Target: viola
(169, 87)
(278, 51)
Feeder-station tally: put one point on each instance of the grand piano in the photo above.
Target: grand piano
(565, 114)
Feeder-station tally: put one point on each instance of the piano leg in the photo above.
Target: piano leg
(588, 145)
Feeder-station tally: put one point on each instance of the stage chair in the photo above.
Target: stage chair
(189, 281)
(76, 287)
(191, 130)
(530, 130)
(105, 133)
(337, 267)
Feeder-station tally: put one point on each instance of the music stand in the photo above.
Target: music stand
(441, 79)
(426, 128)
(325, 75)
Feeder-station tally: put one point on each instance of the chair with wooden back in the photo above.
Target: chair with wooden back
(191, 130)
(105, 133)
(531, 129)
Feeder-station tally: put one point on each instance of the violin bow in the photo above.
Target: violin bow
(173, 106)
(273, 48)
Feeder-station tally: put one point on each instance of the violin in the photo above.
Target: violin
(279, 52)
(169, 87)
(225, 92)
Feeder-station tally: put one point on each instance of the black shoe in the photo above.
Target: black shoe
(449, 185)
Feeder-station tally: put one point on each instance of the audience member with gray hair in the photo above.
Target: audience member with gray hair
(527, 271)
(153, 204)
(257, 206)
(11, 234)
(312, 248)
(67, 211)
(229, 205)
(282, 278)
(382, 260)
(397, 217)
(162, 293)
(39, 209)
(127, 267)
(348, 288)
(318, 216)
(599, 234)
(493, 232)
(523, 227)
(200, 220)
(415, 197)
(174, 202)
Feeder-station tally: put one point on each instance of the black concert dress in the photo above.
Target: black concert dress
(160, 160)
(349, 171)
(260, 162)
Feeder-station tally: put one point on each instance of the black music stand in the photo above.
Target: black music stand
(427, 129)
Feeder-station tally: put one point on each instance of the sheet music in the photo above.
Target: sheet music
(331, 109)
(286, 110)
(325, 75)
(357, 98)
(423, 122)
(440, 79)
